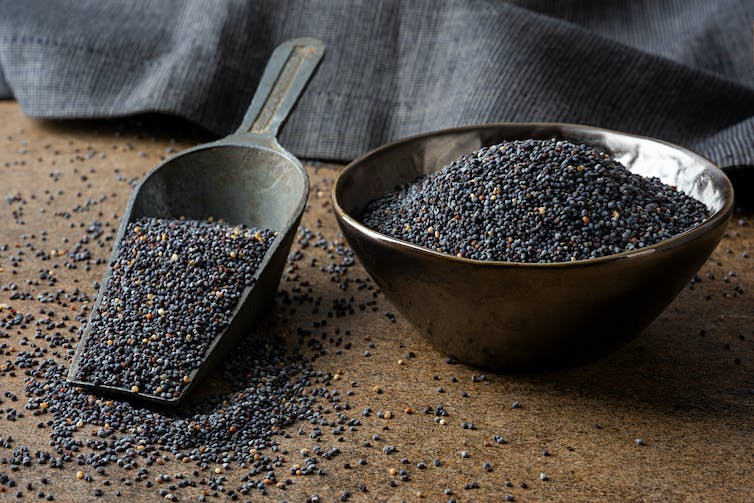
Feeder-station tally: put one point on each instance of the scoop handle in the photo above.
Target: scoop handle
(289, 69)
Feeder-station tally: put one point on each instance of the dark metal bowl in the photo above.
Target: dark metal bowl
(525, 316)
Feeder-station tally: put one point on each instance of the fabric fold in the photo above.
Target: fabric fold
(679, 70)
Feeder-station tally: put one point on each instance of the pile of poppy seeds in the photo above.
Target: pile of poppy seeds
(262, 388)
(268, 390)
(172, 288)
(534, 201)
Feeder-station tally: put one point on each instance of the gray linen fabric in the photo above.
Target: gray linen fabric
(680, 70)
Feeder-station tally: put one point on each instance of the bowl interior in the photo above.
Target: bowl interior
(380, 171)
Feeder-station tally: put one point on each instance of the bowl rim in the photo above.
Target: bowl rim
(718, 218)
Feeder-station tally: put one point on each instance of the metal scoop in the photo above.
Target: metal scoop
(245, 178)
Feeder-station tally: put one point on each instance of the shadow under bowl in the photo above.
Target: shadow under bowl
(509, 316)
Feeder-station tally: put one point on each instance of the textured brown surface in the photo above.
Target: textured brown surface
(690, 397)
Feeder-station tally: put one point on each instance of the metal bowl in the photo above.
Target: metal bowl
(527, 316)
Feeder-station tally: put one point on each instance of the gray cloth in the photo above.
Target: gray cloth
(679, 70)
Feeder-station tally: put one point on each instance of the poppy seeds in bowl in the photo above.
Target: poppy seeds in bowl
(535, 201)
